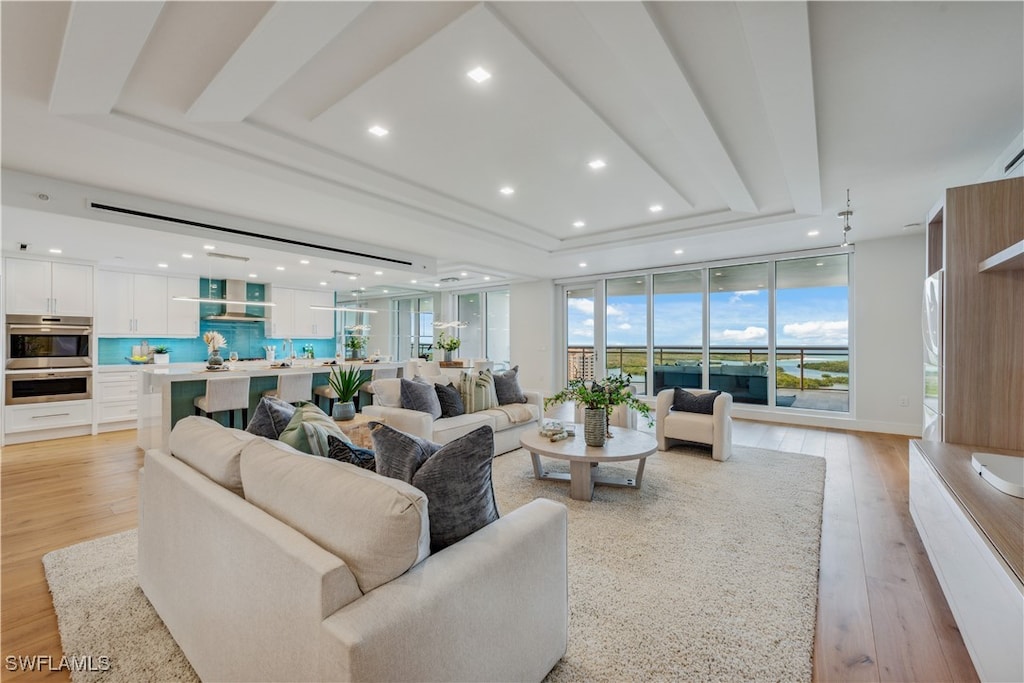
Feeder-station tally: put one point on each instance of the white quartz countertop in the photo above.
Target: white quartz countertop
(183, 372)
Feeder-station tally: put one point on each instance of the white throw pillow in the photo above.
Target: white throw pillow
(388, 392)
(377, 525)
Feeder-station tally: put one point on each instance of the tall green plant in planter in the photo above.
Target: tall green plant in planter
(345, 381)
(599, 399)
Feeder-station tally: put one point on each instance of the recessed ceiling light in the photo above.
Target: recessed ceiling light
(487, 277)
(437, 284)
(379, 131)
(352, 277)
(655, 208)
(304, 262)
(479, 74)
(378, 272)
(463, 274)
(323, 284)
(280, 267)
(209, 247)
(161, 265)
(579, 224)
(252, 274)
(385, 291)
(507, 190)
(678, 251)
(56, 251)
(362, 289)
(812, 233)
(597, 164)
(583, 264)
(412, 281)
(719, 273)
(186, 256)
(819, 263)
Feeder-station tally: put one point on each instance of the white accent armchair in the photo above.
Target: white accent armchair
(673, 426)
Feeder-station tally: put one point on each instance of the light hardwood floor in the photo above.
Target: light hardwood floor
(881, 613)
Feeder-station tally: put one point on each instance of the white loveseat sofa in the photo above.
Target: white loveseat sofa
(271, 565)
(443, 430)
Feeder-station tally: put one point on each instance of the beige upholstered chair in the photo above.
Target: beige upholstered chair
(674, 426)
(293, 387)
(225, 393)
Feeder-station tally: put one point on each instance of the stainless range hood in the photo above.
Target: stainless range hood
(236, 312)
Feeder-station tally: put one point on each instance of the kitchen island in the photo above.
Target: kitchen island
(166, 392)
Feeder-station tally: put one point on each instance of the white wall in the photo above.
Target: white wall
(532, 333)
(888, 286)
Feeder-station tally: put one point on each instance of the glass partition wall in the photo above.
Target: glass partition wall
(771, 333)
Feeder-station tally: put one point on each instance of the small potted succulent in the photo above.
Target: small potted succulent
(345, 381)
(161, 354)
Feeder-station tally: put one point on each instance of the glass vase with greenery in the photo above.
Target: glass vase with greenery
(355, 345)
(448, 344)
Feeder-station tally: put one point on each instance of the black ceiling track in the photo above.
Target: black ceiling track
(244, 233)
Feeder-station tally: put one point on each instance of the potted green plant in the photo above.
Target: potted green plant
(448, 344)
(355, 345)
(161, 354)
(599, 399)
(345, 381)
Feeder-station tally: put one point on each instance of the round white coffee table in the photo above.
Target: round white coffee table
(625, 444)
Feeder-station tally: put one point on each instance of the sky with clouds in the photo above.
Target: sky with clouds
(812, 316)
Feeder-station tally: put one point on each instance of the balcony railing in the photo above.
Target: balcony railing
(805, 376)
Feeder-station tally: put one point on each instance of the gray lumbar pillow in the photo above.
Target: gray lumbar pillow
(456, 478)
(506, 386)
(420, 396)
(270, 418)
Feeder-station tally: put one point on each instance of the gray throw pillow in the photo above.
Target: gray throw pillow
(350, 453)
(684, 401)
(450, 400)
(506, 386)
(420, 396)
(270, 418)
(456, 478)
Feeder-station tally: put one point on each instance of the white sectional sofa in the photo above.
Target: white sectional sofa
(271, 565)
(443, 430)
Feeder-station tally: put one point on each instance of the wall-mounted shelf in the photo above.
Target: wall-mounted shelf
(1011, 258)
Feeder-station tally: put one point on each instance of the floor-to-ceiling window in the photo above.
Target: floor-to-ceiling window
(812, 352)
(770, 332)
(579, 332)
(471, 312)
(738, 331)
(626, 329)
(412, 327)
(486, 332)
(678, 327)
(499, 342)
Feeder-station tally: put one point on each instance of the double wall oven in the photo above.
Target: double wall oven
(48, 359)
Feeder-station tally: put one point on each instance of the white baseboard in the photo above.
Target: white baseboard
(835, 422)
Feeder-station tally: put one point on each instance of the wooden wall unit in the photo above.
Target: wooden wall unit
(983, 387)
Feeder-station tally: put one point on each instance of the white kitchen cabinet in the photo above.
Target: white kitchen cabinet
(117, 397)
(182, 316)
(291, 316)
(41, 416)
(131, 304)
(48, 287)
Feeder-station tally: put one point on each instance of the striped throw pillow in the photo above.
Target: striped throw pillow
(477, 391)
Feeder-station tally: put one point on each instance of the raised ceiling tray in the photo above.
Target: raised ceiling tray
(1005, 472)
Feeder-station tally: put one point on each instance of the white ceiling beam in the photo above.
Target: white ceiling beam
(287, 37)
(102, 41)
(779, 38)
(631, 34)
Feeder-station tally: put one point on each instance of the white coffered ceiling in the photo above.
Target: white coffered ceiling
(744, 122)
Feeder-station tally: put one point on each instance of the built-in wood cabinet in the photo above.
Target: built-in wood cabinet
(291, 316)
(48, 287)
(139, 304)
(983, 344)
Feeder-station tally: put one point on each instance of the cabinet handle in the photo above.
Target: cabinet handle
(39, 417)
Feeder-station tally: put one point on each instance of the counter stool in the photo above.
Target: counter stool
(293, 387)
(225, 393)
(481, 364)
(366, 390)
(325, 391)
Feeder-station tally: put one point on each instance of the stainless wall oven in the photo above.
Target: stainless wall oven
(48, 341)
(47, 387)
